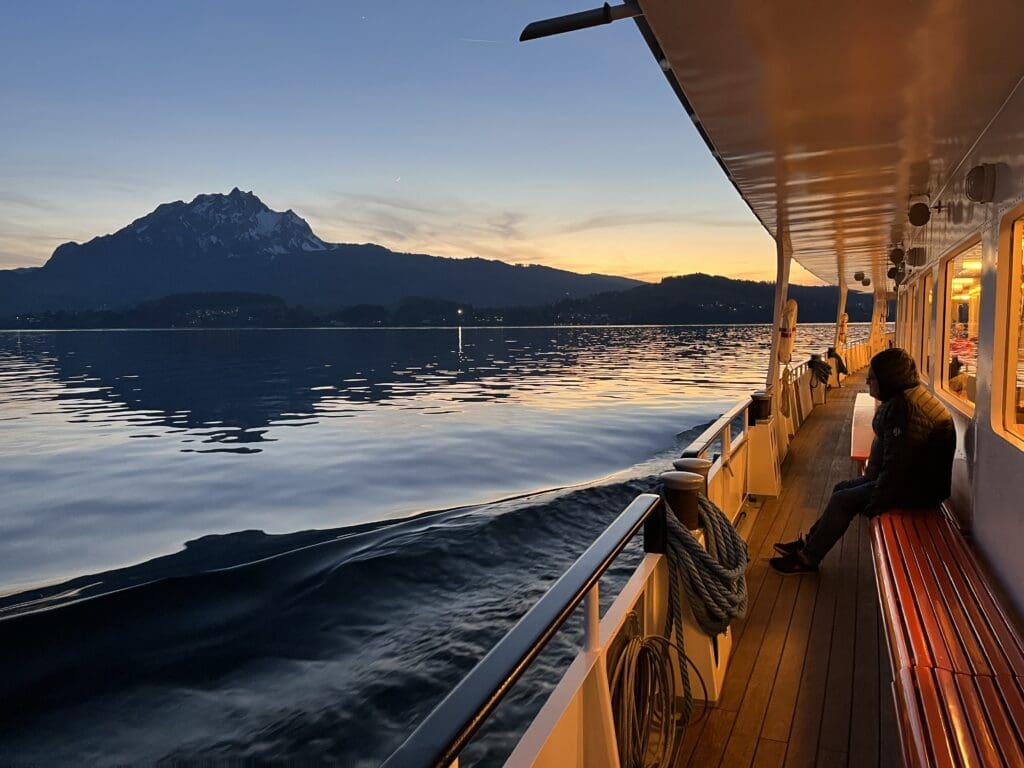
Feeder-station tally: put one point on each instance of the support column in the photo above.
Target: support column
(839, 312)
(876, 336)
(783, 258)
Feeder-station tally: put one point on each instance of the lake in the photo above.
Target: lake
(230, 532)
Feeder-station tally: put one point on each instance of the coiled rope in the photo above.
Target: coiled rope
(784, 406)
(644, 673)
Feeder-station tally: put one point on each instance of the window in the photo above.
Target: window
(913, 332)
(926, 328)
(963, 300)
(906, 317)
(1015, 348)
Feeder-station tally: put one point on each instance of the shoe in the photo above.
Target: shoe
(790, 564)
(789, 547)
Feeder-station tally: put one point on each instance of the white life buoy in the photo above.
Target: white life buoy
(787, 332)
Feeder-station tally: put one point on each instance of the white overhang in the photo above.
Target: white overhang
(829, 116)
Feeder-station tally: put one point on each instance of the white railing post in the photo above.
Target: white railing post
(592, 619)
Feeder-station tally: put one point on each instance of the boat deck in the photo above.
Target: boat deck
(809, 680)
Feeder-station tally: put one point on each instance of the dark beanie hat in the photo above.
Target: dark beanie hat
(894, 371)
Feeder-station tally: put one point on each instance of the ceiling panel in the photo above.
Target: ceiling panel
(829, 116)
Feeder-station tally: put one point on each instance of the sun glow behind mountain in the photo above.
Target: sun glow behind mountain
(421, 128)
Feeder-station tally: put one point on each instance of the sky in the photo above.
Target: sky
(423, 126)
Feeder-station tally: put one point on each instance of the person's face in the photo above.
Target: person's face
(873, 384)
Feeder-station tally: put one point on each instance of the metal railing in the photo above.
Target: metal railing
(446, 731)
(718, 432)
(727, 447)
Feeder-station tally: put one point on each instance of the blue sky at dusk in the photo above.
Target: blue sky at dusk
(425, 127)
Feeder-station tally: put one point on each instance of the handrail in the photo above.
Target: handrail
(712, 433)
(445, 732)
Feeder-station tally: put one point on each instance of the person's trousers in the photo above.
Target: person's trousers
(849, 499)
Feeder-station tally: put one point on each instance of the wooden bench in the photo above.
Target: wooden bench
(862, 435)
(958, 662)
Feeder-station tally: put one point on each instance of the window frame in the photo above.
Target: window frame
(941, 385)
(925, 353)
(1007, 324)
(913, 313)
(902, 316)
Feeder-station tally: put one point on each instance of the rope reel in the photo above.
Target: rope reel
(649, 722)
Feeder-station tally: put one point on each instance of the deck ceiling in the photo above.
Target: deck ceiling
(829, 116)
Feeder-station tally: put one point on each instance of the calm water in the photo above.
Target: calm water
(243, 513)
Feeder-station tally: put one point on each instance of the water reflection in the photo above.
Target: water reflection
(225, 389)
(281, 629)
(116, 447)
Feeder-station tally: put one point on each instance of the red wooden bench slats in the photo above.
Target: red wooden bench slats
(958, 662)
(958, 634)
(1004, 707)
(984, 600)
(914, 624)
(916, 752)
(943, 612)
(933, 644)
(970, 730)
(973, 628)
(922, 696)
(888, 598)
(953, 721)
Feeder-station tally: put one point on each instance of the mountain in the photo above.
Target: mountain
(696, 299)
(701, 298)
(234, 243)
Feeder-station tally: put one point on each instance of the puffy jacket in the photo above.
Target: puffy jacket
(912, 453)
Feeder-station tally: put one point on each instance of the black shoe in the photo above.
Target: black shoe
(789, 547)
(792, 564)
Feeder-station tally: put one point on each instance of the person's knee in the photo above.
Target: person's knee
(848, 501)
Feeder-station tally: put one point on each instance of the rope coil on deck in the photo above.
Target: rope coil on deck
(713, 575)
(642, 678)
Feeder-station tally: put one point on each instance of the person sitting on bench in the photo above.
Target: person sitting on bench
(910, 466)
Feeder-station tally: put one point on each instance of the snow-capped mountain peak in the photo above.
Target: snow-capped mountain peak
(236, 224)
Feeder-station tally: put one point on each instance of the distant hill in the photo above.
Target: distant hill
(691, 299)
(701, 298)
(234, 243)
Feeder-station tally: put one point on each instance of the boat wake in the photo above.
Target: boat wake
(311, 645)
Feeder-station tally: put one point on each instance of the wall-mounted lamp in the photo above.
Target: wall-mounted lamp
(980, 184)
(919, 214)
(916, 257)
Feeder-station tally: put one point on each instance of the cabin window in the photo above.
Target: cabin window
(925, 358)
(963, 300)
(905, 316)
(1015, 358)
(912, 320)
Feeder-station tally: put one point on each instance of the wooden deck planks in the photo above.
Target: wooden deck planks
(808, 681)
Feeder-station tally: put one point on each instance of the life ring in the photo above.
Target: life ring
(787, 332)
